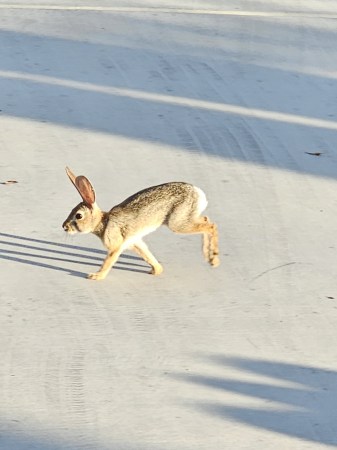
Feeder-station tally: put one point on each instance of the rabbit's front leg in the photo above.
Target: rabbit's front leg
(109, 261)
(142, 249)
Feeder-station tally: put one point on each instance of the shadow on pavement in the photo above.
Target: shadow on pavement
(36, 252)
(295, 400)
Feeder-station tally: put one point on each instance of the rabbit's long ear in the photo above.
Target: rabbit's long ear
(86, 190)
(71, 176)
(84, 187)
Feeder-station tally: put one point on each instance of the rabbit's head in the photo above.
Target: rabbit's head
(86, 216)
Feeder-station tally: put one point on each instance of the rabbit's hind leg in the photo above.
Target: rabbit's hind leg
(209, 230)
(210, 241)
(214, 246)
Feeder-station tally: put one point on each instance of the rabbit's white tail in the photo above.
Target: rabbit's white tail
(202, 200)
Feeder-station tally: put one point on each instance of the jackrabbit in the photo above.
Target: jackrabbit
(177, 205)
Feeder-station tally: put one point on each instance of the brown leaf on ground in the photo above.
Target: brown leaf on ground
(9, 182)
(314, 153)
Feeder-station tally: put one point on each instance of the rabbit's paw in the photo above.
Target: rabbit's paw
(96, 276)
(214, 261)
(156, 270)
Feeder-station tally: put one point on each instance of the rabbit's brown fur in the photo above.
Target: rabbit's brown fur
(177, 205)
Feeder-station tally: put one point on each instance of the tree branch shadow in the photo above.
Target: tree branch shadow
(88, 91)
(295, 400)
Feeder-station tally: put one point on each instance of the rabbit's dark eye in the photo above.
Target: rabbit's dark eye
(79, 216)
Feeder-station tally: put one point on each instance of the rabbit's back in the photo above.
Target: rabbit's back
(159, 205)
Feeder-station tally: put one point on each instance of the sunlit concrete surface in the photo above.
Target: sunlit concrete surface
(237, 97)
